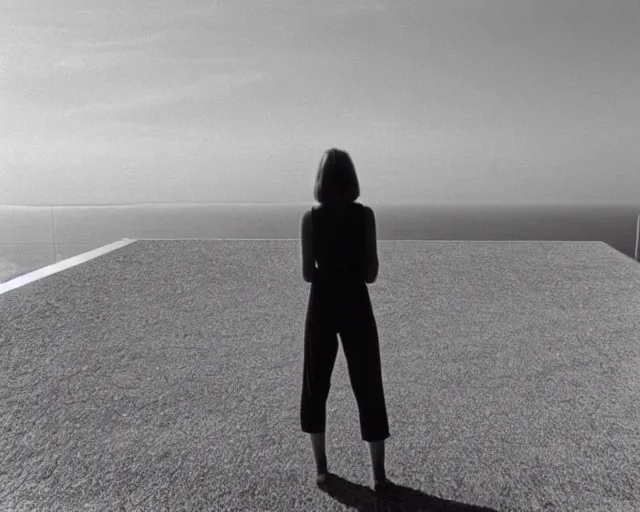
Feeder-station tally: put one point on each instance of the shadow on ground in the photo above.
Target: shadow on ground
(398, 499)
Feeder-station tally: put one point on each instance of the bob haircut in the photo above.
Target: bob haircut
(336, 179)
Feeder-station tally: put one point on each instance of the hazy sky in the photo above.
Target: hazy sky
(124, 101)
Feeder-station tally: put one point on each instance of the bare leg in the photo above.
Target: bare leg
(318, 445)
(377, 460)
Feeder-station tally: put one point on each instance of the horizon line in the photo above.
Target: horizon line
(306, 203)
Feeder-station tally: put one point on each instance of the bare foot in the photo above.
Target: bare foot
(383, 485)
(322, 478)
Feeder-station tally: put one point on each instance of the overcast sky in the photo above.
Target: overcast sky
(125, 101)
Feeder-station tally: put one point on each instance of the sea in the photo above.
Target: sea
(34, 236)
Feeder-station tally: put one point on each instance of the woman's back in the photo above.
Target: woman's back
(344, 241)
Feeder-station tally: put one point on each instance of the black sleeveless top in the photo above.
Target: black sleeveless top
(338, 242)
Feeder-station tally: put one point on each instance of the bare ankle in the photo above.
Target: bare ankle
(377, 460)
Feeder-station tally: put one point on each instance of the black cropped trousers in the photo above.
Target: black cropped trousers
(342, 308)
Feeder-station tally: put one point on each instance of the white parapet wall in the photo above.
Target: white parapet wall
(62, 265)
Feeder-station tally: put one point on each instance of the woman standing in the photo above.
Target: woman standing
(340, 235)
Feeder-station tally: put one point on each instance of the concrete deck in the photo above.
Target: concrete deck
(166, 375)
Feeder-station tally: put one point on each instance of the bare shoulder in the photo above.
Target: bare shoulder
(306, 216)
(306, 221)
(368, 214)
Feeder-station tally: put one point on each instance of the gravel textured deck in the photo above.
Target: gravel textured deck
(166, 375)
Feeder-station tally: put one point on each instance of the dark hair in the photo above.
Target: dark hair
(336, 180)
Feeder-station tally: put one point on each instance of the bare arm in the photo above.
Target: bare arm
(308, 257)
(370, 249)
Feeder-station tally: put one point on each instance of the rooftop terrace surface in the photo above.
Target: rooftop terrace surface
(167, 375)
